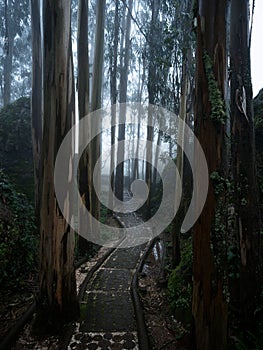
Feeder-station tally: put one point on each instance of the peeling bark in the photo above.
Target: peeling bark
(57, 301)
(209, 306)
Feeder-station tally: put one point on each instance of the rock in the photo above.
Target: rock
(117, 338)
(128, 337)
(129, 345)
(97, 337)
(104, 344)
(107, 336)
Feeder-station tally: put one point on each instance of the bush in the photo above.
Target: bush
(18, 240)
(16, 158)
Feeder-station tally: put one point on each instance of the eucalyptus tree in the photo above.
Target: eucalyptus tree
(83, 88)
(152, 88)
(247, 225)
(113, 58)
(180, 34)
(210, 292)
(57, 299)
(37, 96)
(16, 49)
(141, 84)
(96, 100)
(124, 71)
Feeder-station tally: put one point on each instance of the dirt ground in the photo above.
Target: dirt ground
(165, 332)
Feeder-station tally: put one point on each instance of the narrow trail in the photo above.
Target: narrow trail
(107, 311)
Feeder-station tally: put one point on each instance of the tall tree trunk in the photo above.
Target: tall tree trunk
(136, 173)
(96, 104)
(119, 181)
(209, 306)
(156, 156)
(152, 92)
(136, 160)
(113, 91)
(57, 301)
(180, 165)
(9, 48)
(148, 164)
(85, 176)
(246, 204)
(37, 97)
(83, 59)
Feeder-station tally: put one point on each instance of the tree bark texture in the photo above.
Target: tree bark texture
(85, 174)
(37, 97)
(209, 306)
(152, 93)
(96, 102)
(119, 181)
(57, 300)
(113, 92)
(246, 199)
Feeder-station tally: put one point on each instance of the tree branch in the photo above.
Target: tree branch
(135, 20)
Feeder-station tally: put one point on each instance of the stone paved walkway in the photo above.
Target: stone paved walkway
(108, 319)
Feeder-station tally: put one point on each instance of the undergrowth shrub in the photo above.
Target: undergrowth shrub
(18, 239)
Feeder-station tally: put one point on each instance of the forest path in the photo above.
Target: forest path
(108, 318)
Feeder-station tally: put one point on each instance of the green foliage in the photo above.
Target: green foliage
(219, 183)
(249, 340)
(18, 241)
(16, 157)
(218, 113)
(258, 121)
(252, 338)
(180, 280)
(233, 262)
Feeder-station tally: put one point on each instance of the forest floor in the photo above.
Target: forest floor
(14, 303)
(164, 331)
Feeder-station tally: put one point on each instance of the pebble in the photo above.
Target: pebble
(129, 345)
(107, 336)
(104, 344)
(128, 336)
(117, 346)
(97, 337)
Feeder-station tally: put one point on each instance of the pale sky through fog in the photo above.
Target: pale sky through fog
(257, 48)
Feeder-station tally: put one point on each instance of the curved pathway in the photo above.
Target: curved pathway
(107, 311)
